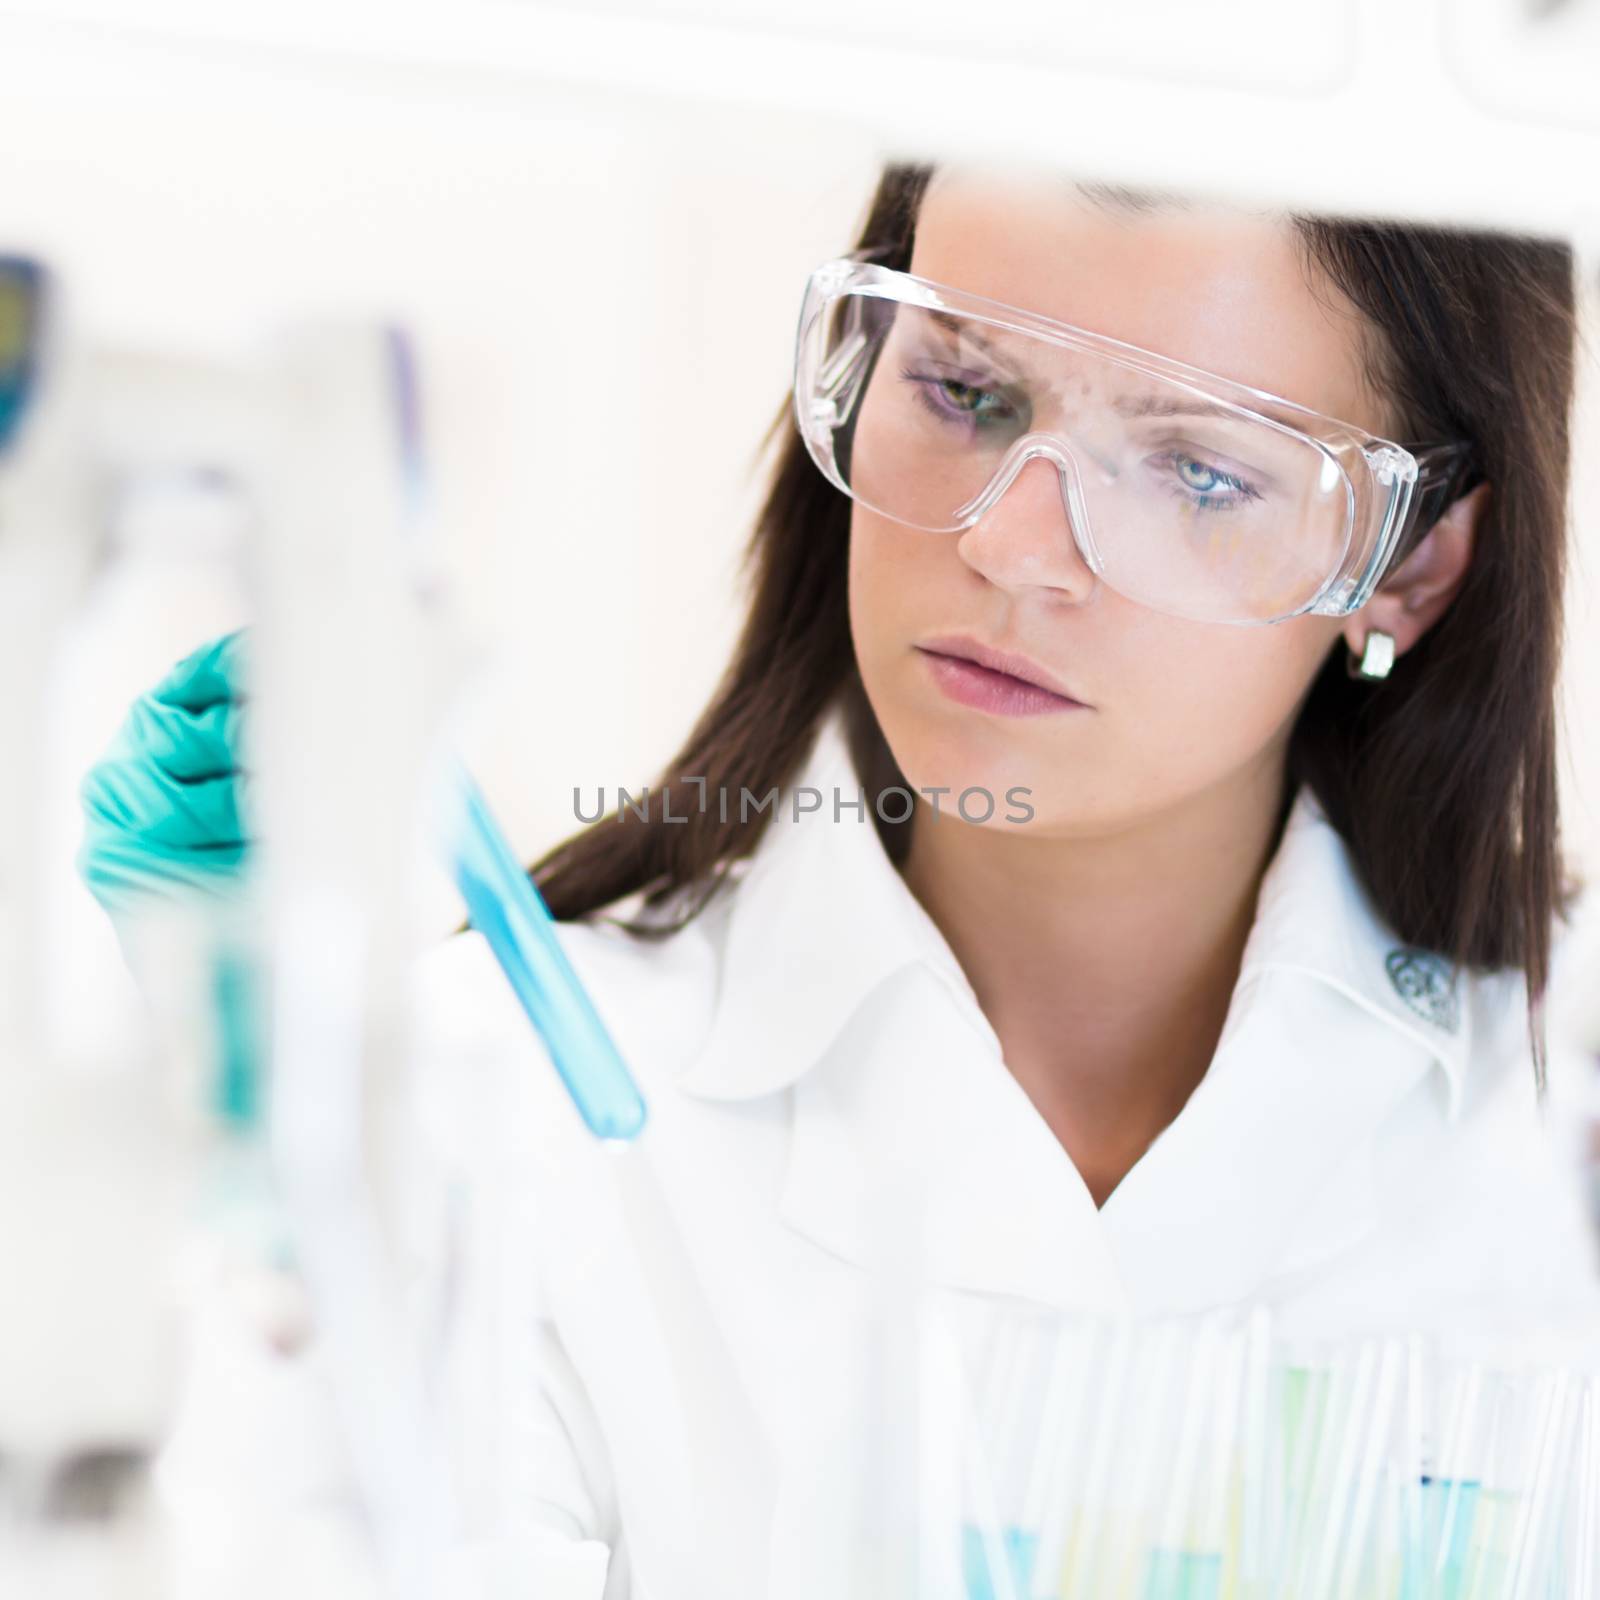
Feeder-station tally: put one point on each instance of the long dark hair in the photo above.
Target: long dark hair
(1441, 778)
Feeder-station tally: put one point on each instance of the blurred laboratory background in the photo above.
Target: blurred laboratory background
(606, 213)
(594, 221)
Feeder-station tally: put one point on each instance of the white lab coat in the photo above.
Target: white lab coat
(1363, 1153)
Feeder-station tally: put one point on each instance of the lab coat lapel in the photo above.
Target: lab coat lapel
(836, 984)
(818, 918)
(916, 1084)
(1267, 1171)
(1268, 1168)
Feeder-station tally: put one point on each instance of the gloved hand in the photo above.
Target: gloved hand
(162, 816)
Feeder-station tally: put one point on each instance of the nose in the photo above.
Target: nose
(1027, 538)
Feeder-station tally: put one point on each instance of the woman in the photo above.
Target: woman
(1216, 976)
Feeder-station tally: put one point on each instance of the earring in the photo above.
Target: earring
(1375, 660)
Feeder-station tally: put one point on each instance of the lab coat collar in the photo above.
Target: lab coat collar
(821, 918)
(837, 984)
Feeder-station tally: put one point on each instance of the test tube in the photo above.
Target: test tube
(1454, 1495)
(1305, 1392)
(1174, 1569)
(987, 1559)
(1350, 1391)
(1535, 1529)
(1106, 1402)
(1586, 1555)
(511, 914)
(1360, 1493)
(1051, 1491)
(1210, 1562)
(1488, 1565)
(1251, 1573)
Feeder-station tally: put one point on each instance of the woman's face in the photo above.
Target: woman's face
(1171, 707)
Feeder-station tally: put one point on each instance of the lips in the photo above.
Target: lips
(1008, 662)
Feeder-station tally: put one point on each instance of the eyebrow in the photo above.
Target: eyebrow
(1145, 405)
(1151, 406)
(965, 328)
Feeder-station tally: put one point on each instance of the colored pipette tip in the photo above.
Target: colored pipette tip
(507, 909)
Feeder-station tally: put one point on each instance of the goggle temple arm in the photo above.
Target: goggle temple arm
(1442, 474)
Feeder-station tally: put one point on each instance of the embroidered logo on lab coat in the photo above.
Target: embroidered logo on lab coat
(1426, 982)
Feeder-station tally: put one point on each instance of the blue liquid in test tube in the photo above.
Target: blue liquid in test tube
(1442, 1498)
(1182, 1575)
(1021, 1547)
(510, 913)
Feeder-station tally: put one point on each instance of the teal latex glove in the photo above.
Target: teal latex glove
(162, 806)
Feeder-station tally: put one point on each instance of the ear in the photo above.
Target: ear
(1418, 592)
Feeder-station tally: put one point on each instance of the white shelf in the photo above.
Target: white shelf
(1458, 110)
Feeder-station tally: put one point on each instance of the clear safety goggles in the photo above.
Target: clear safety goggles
(1186, 492)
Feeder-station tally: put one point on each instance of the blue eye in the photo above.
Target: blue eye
(1197, 475)
(1202, 481)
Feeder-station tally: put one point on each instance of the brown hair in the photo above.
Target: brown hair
(1441, 778)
